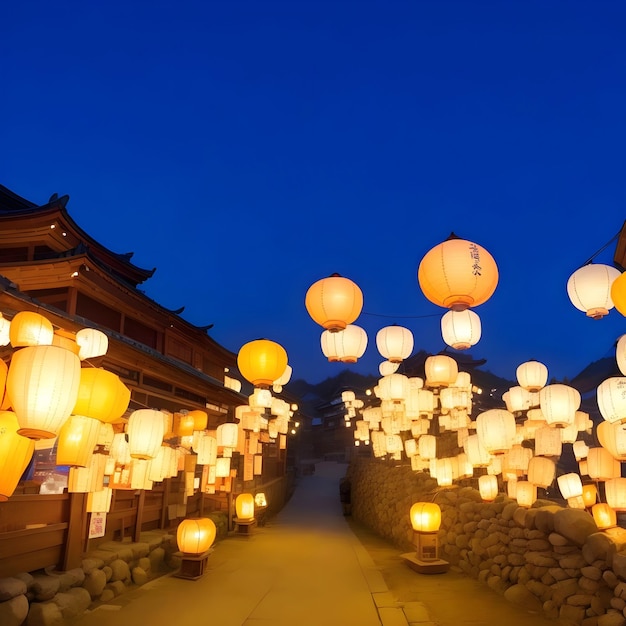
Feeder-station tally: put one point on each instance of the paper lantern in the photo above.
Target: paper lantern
(618, 293)
(42, 385)
(101, 395)
(441, 370)
(261, 362)
(604, 516)
(222, 467)
(496, 430)
(227, 435)
(350, 343)
(589, 289)
(195, 536)
(5, 331)
(425, 517)
(612, 437)
(461, 329)
(183, 424)
(611, 395)
(615, 493)
(457, 274)
(476, 452)
(16, 452)
(146, 428)
(395, 343)
(120, 450)
(30, 329)
(541, 471)
(283, 379)
(91, 343)
(620, 354)
(570, 485)
(427, 445)
(526, 493)
(601, 465)
(244, 506)
(559, 404)
(517, 399)
(260, 500)
(590, 494)
(99, 501)
(488, 487)
(334, 302)
(548, 441)
(532, 375)
(200, 419)
(393, 387)
(77, 440)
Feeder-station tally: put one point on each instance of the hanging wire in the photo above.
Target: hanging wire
(604, 247)
(401, 316)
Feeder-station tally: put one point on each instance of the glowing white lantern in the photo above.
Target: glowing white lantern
(526, 493)
(541, 471)
(441, 370)
(393, 387)
(559, 404)
(227, 435)
(349, 344)
(496, 430)
(488, 487)
(615, 490)
(461, 329)
(581, 449)
(427, 446)
(91, 343)
(476, 452)
(387, 367)
(517, 399)
(601, 465)
(146, 428)
(589, 289)
(395, 343)
(571, 485)
(532, 375)
(612, 437)
(611, 394)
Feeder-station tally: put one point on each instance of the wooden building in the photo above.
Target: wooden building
(49, 265)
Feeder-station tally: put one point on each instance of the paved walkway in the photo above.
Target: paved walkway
(310, 566)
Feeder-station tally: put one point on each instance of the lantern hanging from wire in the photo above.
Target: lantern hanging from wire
(441, 370)
(559, 404)
(395, 343)
(589, 289)
(261, 362)
(461, 329)
(334, 302)
(532, 375)
(457, 274)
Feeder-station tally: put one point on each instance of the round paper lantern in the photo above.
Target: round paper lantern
(146, 428)
(488, 487)
(612, 437)
(395, 343)
(589, 289)
(618, 293)
(227, 435)
(559, 404)
(611, 395)
(195, 536)
(525, 493)
(334, 302)
(91, 343)
(15, 454)
(604, 516)
(601, 465)
(425, 517)
(590, 494)
(244, 506)
(30, 329)
(387, 367)
(427, 445)
(77, 440)
(476, 452)
(42, 385)
(200, 419)
(101, 395)
(541, 471)
(615, 492)
(441, 370)
(496, 430)
(350, 343)
(393, 387)
(5, 330)
(532, 375)
(261, 362)
(461, 329)
(283, 379)
(457, 274)
(63, 341)
(620, 354)
(517, 399)
(571, 485)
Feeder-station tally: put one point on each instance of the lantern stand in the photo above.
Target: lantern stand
(425, 520)
(192, 566)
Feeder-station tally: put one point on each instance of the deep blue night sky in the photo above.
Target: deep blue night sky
(248, 148)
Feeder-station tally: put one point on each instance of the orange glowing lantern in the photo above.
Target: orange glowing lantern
(261, 362)
(30, 329)
(195, 536)
(77, 440)
(488, 487)
(457, 274)
(101, 395)
(590, 494)
(15, 454)
(42, 385)
(244, 506)
(618, 293)
(604, 516)
(334, 302)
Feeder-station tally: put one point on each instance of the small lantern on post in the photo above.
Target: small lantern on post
(244, 508)
(194, 538)
(426, 519)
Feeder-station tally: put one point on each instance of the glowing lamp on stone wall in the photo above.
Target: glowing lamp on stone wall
(77, 440)
(91, 343)
(441, 370)
(604, 516)
(244, 507)
(30, 329)
(395, 343)
(589, 289)
(611, 395)
(101, 395)
(42, 385)
(532, 375)
(16, 452)
(488, 487)
(146, 428)
(261, 362)
(461, 329)
(334, 302)
(457, 274)
(425, 520)
(195, 536)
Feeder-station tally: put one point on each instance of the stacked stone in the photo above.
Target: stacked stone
(548, 558)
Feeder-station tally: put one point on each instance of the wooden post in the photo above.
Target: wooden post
(164, 505)
(139, 519)
(76, 531)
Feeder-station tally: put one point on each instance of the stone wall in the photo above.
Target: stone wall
(548, 558)
(52, 598)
